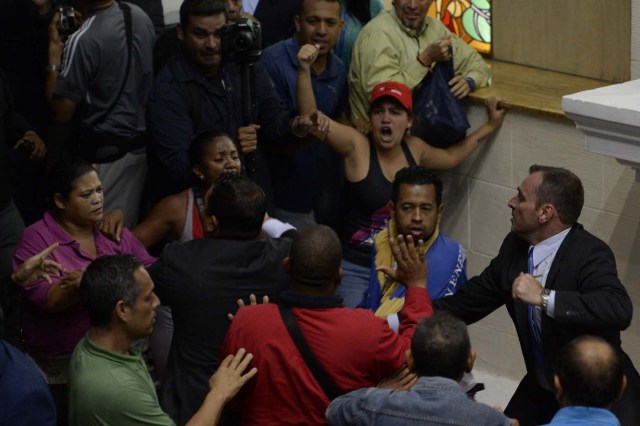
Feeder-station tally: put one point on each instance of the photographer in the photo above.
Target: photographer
(200, 90)
(103, 73)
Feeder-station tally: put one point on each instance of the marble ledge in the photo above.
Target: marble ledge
(609, 117)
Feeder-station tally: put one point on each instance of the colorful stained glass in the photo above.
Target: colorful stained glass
(469, 19)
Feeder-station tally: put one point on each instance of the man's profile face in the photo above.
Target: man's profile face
(416, 212)
(201, 41)
(143, 311)
(411, 12)
(524, 214)
(319, 23)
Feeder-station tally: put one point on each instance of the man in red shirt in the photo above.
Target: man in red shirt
(353, 347)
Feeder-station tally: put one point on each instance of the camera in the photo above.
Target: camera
(68, 21)
(242, 41)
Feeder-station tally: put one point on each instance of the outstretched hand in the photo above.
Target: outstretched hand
(315, 123)
(252, 301)
(411, 267)
(37, 267)
(401, 380)
(229, 378)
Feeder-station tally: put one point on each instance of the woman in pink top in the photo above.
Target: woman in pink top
(52, 318)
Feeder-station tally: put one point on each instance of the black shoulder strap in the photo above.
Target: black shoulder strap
(190, 92)
(316, 369)
(407, 153)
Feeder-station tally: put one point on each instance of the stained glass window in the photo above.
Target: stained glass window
(469, 19)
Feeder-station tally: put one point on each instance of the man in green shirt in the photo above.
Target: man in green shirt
(109, 382)
(402, 44)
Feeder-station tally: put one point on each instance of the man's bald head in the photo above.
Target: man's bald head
(315, 257)
(589, 372)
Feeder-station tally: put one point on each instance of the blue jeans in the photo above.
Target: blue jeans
(354, 284)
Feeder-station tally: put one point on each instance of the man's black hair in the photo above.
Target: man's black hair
(415, 175)
(590, 372)
(440, 346)
(301, 7)
(561, 188)
(238, 204)
(105, 282)
(315, 257)
(201, 8)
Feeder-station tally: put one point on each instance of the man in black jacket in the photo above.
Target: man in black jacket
(201, 280)
(558, 282)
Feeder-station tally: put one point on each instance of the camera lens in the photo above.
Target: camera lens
(242, 42)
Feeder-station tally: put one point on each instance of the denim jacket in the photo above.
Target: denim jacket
(432, 401)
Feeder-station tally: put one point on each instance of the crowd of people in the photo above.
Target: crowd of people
(180, 173)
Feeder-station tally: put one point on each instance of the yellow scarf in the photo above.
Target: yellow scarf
(384, 257)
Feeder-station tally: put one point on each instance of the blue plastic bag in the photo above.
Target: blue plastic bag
(438, 116)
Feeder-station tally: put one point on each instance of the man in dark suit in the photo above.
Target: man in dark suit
(201, 280)
(558, 282)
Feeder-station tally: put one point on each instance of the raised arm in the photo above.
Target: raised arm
(444, 159)
(342, 139)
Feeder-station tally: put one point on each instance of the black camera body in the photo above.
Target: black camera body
(242, 41)
(68, 21)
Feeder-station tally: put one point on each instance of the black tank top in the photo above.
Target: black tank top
(368, 209)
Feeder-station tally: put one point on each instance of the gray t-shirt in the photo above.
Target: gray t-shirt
(94, 62)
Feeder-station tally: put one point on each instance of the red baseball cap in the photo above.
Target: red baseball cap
(396, 90)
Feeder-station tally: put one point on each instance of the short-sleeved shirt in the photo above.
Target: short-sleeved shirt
(52, 334)
(94, 63)
(108, 388)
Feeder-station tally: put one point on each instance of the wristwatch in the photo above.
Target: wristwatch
(544, 299)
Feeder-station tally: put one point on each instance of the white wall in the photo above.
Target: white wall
(635, 39)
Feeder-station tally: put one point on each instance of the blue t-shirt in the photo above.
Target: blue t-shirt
(584, 416)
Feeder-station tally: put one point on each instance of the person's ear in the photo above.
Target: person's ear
(197, 170)
(623, 385)
(296, 22)
(286, 264)
(546, 213)
(338, 278)
(410, 361)
(558, 385)
(471, 359)
(180, 32)
(440, 211)
(58, 201)
(211, 225)
(121, 311)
